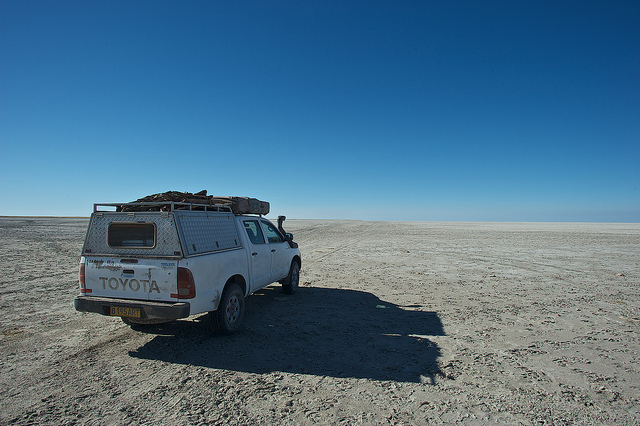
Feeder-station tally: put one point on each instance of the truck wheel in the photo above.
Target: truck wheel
(290, 285)
(228, 317)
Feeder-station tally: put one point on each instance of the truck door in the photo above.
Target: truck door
(260, 255)
(279, 248)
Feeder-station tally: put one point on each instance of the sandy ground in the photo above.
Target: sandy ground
(395, 323)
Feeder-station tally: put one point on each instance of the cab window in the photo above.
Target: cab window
(254, 232)
(273, 236)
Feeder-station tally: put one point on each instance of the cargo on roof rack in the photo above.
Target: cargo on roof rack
(163, 207)
(174, 200)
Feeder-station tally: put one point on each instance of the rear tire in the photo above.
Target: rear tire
(290, 285)
(228, 317)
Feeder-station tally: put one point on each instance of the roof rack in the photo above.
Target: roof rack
(161, 206)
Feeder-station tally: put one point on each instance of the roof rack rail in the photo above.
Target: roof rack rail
(158, 206)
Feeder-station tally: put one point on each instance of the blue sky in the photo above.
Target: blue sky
(375, 110)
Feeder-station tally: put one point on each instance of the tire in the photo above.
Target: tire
(228, 317)
(290, 285)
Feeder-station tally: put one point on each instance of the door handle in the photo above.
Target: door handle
(273, 250)
(254, 254)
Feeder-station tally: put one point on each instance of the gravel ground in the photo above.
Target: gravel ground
(395, 323)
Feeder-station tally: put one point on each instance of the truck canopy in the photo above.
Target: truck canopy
(181, 233)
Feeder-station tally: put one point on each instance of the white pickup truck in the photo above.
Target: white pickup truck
(150, 267)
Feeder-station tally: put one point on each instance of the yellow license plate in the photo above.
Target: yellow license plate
(116, 311)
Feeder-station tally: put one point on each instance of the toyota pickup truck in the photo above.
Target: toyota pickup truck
(184, 259)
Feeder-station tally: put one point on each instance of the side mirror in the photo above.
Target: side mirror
(288, 237)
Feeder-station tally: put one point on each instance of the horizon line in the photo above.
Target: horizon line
(364, 220)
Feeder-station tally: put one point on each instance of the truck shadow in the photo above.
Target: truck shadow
(318, 331)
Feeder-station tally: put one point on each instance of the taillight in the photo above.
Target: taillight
(186, 285)
(81, 280)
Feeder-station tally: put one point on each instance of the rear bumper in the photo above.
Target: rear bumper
(148, 310)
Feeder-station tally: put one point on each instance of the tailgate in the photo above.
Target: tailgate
(127, 278)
